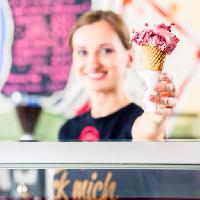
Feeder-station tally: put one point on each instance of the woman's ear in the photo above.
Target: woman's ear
(130, 57)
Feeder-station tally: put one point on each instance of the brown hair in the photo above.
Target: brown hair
(115, 21)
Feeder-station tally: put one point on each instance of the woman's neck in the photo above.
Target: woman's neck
(103, 104)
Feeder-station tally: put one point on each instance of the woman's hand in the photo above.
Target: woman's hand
(166, 95)
(151, 126)
(165, 98)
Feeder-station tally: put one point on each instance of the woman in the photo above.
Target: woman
(101, 57)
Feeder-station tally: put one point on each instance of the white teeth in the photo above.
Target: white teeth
(96, 75)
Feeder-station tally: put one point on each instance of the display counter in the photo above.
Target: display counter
(158, 170)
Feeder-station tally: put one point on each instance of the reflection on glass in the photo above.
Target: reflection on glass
(23, 178)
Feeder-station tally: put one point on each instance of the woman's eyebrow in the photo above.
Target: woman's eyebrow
(79, 47)
(106, 44)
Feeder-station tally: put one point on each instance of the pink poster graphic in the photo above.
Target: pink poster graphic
(41, 58)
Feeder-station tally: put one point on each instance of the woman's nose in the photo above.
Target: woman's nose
(93, 62)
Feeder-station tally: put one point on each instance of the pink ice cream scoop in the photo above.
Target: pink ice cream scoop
(159, 36)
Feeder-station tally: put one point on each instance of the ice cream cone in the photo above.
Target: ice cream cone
(156, 42)
(153, 58)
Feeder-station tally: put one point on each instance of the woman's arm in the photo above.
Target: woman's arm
(151, 126)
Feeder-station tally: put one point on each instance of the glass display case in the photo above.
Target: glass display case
(103, 170)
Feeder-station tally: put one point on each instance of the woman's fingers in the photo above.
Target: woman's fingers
(166, 77)
(165, 101)
(164, 111)
(165, 95)
(165, 89)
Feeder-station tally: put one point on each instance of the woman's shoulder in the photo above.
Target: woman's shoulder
(130, 111)
(133, 108)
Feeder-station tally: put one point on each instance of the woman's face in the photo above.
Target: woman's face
(99, 57)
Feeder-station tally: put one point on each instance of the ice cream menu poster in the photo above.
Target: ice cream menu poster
(41, 58)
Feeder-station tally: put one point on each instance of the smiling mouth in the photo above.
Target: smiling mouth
(96, 75)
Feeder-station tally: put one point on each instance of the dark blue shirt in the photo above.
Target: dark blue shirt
(116, 126)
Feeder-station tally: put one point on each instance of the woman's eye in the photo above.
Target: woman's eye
(106, 50)
(82, 52)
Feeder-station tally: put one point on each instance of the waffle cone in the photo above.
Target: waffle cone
(153, 58)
